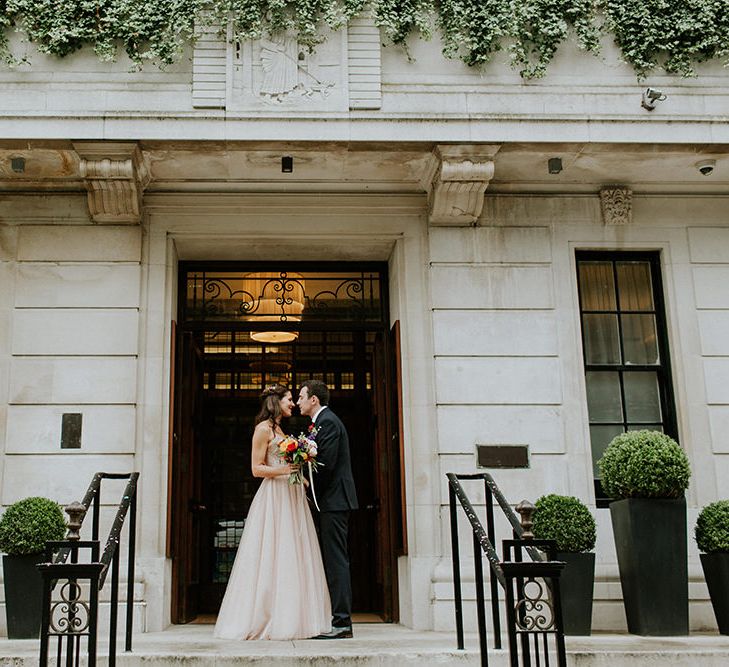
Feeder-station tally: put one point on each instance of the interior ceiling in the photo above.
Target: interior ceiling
(377, 167)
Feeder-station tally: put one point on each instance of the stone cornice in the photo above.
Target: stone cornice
(361, 126)
(456, 181)
(115, 176)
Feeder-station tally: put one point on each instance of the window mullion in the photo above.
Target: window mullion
(621, 365)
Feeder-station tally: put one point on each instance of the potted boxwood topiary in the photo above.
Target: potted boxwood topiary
(24, 529)
(647, 473)
(712, 538)
(568, 522)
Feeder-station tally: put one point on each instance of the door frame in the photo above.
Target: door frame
(391, 520)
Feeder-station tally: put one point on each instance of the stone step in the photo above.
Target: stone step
(380, 645)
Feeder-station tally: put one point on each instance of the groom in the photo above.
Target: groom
(335, 492)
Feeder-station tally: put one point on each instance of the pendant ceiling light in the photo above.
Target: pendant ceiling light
(279, 297)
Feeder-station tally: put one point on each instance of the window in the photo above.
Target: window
(625, 349)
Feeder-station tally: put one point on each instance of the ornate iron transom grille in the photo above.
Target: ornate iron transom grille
(283, 297)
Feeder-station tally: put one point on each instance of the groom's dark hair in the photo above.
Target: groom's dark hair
(317, 388)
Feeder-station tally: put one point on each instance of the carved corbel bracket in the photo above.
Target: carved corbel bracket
(616, 202)
(115, 175)
(456, 181)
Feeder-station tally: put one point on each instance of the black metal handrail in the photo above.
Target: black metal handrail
(81, 617)
(512, 576)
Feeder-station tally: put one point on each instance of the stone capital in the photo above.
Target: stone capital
(456, 181)
(115, 176)
(616, 202)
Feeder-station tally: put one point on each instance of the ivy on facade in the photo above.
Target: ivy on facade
(669, 33)
(650, 33)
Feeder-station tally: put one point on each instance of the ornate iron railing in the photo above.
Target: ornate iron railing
(531, 588)
(75, 572)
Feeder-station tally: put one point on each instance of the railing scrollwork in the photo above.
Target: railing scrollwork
(70, 614)
(531, 587)
(534, 610)
(74, 572)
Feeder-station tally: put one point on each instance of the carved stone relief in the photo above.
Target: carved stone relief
(278, 72)
(616, 202)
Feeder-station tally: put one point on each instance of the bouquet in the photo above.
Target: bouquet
(299, 451)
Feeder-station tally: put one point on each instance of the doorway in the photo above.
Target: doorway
(246, 326)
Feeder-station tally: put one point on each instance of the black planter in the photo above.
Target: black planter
(716, 573)
(650, 540)
(23, 595)
(576, 584)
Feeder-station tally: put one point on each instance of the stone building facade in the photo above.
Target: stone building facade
(486, 204)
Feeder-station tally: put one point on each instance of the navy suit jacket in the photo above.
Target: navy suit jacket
(333, 480)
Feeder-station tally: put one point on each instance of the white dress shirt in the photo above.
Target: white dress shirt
(317, 413)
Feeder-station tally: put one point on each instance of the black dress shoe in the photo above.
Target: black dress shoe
(337, 633)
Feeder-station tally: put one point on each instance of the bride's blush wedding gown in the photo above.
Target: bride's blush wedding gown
(277, 587)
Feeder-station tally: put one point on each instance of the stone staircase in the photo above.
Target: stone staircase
(380, 645)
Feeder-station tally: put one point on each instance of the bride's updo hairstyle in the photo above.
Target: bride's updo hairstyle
(271, 404)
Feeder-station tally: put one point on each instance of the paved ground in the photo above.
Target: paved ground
(383, 645)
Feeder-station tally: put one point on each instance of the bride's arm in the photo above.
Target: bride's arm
(259, 450)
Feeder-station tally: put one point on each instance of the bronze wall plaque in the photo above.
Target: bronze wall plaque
(502, 456)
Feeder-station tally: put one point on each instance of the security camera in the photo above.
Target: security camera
(650, 97)
(706, 167)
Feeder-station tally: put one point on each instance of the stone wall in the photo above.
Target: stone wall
(491, 350)
(508, 357)
(364, 93)
(69, 344)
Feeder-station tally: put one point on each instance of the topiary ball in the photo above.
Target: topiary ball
(644, 464)
(712, 528)
(567, 521)
(27, 524)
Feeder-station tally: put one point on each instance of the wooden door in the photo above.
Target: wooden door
(399, 509)
(388, 444)
(185, 489)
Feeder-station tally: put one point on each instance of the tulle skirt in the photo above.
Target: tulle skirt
(277, 587)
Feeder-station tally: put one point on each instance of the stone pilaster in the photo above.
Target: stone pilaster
(115, 176)
(456, 181)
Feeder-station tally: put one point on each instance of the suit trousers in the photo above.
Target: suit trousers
(333, 527)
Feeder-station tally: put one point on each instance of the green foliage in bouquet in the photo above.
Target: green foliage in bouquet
(712, 528)
(567, 521)
(27, 524)
(644, 464)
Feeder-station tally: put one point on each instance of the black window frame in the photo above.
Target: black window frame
(662, 369)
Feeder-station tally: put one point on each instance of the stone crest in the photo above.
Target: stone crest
(616, 202)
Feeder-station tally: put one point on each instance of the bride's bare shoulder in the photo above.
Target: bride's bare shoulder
(263, 428)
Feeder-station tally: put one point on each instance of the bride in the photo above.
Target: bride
(277, 587)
